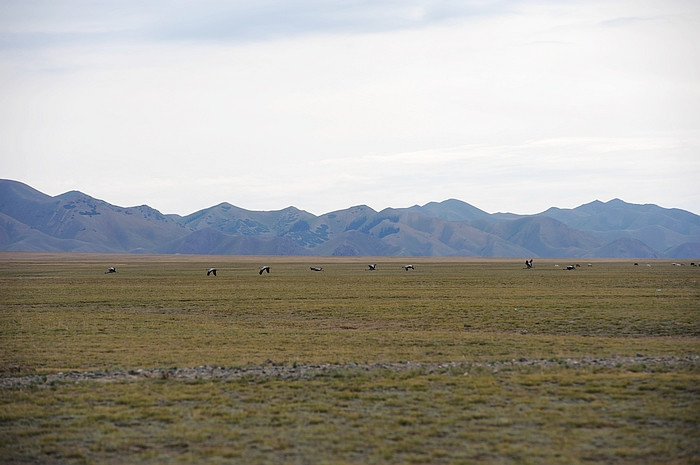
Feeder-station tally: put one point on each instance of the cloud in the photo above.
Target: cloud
(506, 104)
(36, 23)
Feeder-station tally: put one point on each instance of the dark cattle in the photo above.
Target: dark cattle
(111, 269)
(408, 267)
(316, 268)
(528, 263)
(264, 268)
(372, 266)
(571, 267)
(211, 271)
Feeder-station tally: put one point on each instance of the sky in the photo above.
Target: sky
(509, 105)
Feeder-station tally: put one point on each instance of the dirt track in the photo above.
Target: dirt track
(306, 371)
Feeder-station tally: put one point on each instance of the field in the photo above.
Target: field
(457, 361)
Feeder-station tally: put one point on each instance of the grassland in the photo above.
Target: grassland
(457, 324)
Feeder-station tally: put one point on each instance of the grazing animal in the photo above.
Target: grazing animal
(636, 264)
(264, 268)
(408, 267)
(211, 271)
(571, 267)
(111, 269)
(528, 264)
(372, 266)
(316, 268)
(590, 264)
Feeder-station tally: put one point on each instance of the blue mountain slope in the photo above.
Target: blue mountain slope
(73, 221)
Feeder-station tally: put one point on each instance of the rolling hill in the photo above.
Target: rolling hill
(77, 222)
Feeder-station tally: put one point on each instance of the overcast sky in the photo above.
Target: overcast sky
(325, 104)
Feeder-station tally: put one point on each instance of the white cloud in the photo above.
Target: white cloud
(507, 105)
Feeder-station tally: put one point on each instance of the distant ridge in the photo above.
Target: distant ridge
(75, 222)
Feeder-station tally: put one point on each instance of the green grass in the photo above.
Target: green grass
(60, 313)
(523, 416)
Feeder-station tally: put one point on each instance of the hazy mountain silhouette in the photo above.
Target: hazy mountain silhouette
(76, 222)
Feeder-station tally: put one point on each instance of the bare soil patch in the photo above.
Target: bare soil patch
(272, 369)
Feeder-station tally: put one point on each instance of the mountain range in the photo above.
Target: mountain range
(76, 222)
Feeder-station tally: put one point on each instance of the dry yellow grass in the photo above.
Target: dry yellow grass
(60, 313)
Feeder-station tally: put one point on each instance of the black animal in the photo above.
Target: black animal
(111, 269)
(408, 267)
(211, 271)
(528, 263)
(372, 266)
(316, 268)
(571, 267)
(264, 268)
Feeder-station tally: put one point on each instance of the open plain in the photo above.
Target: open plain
(456, 361)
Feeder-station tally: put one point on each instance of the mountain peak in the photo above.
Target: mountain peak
(74, 221)
(451, 210)
(72, 195)
(616, 203)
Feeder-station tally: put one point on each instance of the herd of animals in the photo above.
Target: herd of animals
(373, 266)
(266, 268)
